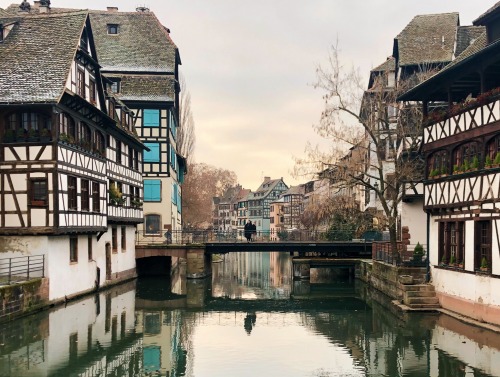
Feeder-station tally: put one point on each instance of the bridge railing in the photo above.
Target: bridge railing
(184, 237)
(382, 251)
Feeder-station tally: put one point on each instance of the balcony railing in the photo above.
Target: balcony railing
(382, 252)
(13, 270)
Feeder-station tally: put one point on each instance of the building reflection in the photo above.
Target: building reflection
(149, 327)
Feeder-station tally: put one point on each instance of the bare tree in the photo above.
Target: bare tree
(186, 137)
(202, 184)
(369, 121)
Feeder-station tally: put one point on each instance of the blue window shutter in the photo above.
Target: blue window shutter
(154, 154)
(179, 201)
(151, 118)
(152, 190)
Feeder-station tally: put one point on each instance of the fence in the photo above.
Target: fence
(17, 269)
(382, 252)
(183, 237)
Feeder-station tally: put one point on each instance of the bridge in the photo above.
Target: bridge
(198, 246)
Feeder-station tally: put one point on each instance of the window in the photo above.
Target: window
(152, 224)
(173, 158)
(113, 28)
(72, 193)
(114, 239)
(465, 155)
(92, 91)
(381, 149)
(493, 148)
(136, 159)
(80, 82)
(118, 151)
(85, 195)
(89, 247)
(67, 131)
(73, 249)
(154, 153)
(130, 157)
(438, 163)
(99, 143)
(96, 197)
(124, 238)
(482, 244)
(115, 86)
(173, 125)
(451, 242)
(38, 191)
(85, 136)
(152, 190)
(151, 118)
(174, 193)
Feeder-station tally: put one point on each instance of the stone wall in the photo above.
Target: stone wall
(23, 298)
(386, 278)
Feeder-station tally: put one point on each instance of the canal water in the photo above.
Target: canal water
(249, 319)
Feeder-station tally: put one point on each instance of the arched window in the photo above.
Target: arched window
(152, 224)
(85, 136)
(438, 163)
(466, 156)
(67, 131)
(493, 149)
(98, 146)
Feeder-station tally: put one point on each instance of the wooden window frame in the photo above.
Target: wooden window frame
(35, 200)
(85, 194)
(90, 251)
(123, 234)
(114, 240)
(96, 197)
(80, 82)
(92, 91)
(113, 29)
(483, 232)
(118, 151)
(73, 249)
(72, 193)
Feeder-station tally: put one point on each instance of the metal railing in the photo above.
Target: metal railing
(183, 237)
(382, 252)
(18, 269)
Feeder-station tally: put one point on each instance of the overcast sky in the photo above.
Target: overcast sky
(249, 66)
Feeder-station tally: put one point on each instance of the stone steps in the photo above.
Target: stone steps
(420, 296)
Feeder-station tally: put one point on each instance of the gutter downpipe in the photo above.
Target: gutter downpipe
(428, 267)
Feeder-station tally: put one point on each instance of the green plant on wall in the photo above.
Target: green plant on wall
(475, 163)
(487, 161)
(497, 159)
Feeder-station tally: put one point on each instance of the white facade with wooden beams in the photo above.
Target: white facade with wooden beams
(62, 147)
(461, 144)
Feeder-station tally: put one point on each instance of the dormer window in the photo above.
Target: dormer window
(115, 86)
(113, 28)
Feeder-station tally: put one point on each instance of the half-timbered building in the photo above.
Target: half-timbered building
(461, 142)
(141, 61)
(70, 160)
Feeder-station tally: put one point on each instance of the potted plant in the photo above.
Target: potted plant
(466, 165)
(9, 136)
(453, 260)
(484, 265)
(444, 171)
(434, 173)
(418, 253)
(115, 196)
(21, 134)
(475, 163)
(45, 135)
(136, 202)
(32, 135)
(461, 264)
(456, 169)
(487, 161)
(444, 261)
(496, 161)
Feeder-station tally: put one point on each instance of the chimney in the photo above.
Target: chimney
(44, 6)
(267, 179)
(112, 9)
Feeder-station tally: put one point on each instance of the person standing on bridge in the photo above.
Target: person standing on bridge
(248, 231)
(253, 231)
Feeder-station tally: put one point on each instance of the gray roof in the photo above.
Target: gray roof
(147, 88)
(141, 45)
(295, 190)
(428, 38)
(388, 65)
(466, 35)
(36, 56)
(490, 12)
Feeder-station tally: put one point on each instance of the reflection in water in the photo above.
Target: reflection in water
(249, 319)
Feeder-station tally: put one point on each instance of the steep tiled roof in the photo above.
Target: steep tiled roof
(295, 190)
(428, 38)
(467, 35)
(476, 46)
(487, 14)
(147, 88)
(141, 45)
(388, 65)
(36, 57)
